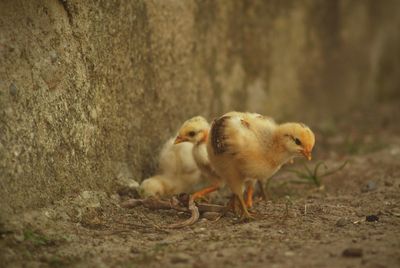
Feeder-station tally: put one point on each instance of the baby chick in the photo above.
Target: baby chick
(195, 131)
(244, 145)
(250, 183)
(178, 171)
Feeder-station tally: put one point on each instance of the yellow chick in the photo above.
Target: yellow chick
(250, 183)
(195, 131)
(244, 145)
(178, 172)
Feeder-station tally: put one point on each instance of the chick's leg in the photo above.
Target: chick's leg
(245, 213)
(232, 205)
(237, 189)
(249, 194)
(262, 191)
(205, 191)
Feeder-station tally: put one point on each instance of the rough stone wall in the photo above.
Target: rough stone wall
(90, 89)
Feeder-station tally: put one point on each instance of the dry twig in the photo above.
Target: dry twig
(175, 204)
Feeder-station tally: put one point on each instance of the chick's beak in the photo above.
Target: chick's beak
(179, 139)
(307, 154)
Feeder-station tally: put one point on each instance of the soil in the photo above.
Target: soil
(351, 220)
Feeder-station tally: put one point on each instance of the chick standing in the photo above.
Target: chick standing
(195, 131)
(250, 183)
(242, 146)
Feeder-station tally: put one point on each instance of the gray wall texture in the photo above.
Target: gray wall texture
(90, 88)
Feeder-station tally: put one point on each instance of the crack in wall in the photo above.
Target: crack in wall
(67, 10)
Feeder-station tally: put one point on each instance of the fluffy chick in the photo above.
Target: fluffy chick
(195, 131)
(244, 145)
(178, 172)
(250, 183)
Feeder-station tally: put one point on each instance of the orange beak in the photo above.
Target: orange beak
(307, 154)
(179, 139)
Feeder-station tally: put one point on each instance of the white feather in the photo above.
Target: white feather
(178, 171)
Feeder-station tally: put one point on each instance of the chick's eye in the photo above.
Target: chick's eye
(297, 141)
(191, 133)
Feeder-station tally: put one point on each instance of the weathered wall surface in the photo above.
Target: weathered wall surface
(90, 89)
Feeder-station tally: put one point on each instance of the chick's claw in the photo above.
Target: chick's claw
(246, 218)
(233, 205)
(253, 214)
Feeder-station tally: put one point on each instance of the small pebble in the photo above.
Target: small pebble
(53, 56)
(19, 237)
(200, 230)
(135, 250)
(388, 183)
(332, 254)
(181, 258)
(265, 226)
(370, 186)
(289, 253)
(13, 90)
(352, 252)
(93, 115)
(360, 213)
(341, 222)
(203, 220)
(372, 218)
(211, 216)
(154, 238)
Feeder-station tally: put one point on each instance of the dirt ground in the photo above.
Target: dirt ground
(300, 225)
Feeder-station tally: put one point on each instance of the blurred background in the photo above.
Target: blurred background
(90, 90)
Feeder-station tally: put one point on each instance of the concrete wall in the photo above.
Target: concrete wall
(90, 89)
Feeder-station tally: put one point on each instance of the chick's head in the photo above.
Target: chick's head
(298, 139)
(194, 130)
